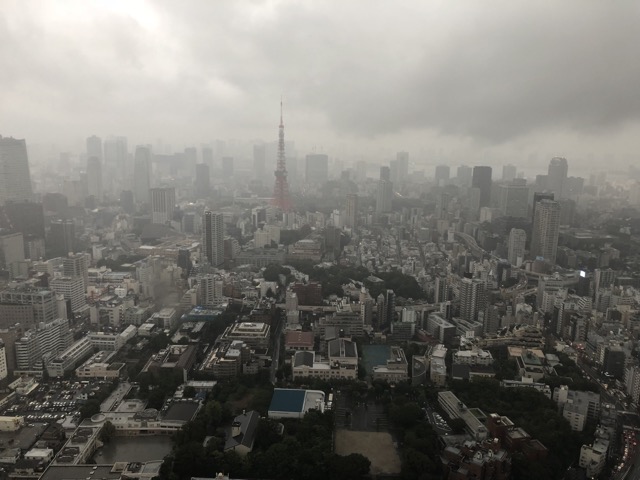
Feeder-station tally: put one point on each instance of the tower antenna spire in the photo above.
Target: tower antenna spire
(281, 198)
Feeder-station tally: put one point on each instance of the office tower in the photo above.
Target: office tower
(213, 238)
(567, 211)
(482, 179)
(464, 176)
(203, 181)
(11, 252)
(94, 177)
(77, 265)
(62, 238)
(557, 176)
(227, 168)
(142, 174)
(72, 288)
(517, 241)
(573, 186)
(163, 204)
(546, 225)
(384, 195)
(26, 218)
(27, 306)
(513, 199)
(116, 169)
(441, 290)
(351, 220)
(15, 179)
(191, 157)
(508, 173)
(399, 171)
(473, 298)
(207, 157)
(126, 201)
(316, 169)
(442, 175)
(56, 203)
(258, 217)
(115, 152)
(94, 147)
(386, 307)
(537, 197)
(210, 290)
(259, 161)
(366, 307)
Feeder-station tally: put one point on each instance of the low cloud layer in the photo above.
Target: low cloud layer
(487, 73)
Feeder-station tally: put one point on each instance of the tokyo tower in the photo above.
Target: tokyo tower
(281, 198)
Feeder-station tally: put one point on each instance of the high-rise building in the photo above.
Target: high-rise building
(72, 288)
(11, 251)
(351, 215)
(399, 170)
(259, 161)
(557, 176)
(473, 298)
(464, 175)
(94, 177)
(191, 157)
(210, 290)
(517, 242)
(142, 174)
(62, 238)
(77, 265)
(94, 147)
(203, 180)
(227, 167)
(537, 196)
(15, 178)
(513, 199)
(25, 217)
(546, 225)
(117, 173)
(126, 201)
(207, 157)
(316, 169)
(26, 306)
(442, 175)
(163, 204)
(384, 195)
(482, 179)
(213, 238)
(509, 173)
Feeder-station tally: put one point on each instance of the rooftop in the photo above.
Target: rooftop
(287, 400)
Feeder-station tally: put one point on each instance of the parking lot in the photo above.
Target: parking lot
(360, 416)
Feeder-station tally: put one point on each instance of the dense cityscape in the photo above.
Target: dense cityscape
(262, 240)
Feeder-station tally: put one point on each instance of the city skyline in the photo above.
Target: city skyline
(435, 91)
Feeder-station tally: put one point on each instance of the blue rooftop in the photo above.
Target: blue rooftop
(287, 400)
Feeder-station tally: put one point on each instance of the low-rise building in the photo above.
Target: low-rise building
(98, 366)
(69, 358)
(593, 457)
(256, 335)
(396, 369)
(242, 433)
(474, 418)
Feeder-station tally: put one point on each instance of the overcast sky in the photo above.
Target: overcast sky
(465, 80)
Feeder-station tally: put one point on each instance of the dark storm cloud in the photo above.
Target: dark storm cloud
(487, 71)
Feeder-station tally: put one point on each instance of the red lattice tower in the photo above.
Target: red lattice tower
(281, 198)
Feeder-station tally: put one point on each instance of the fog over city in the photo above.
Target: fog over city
(478, 82)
